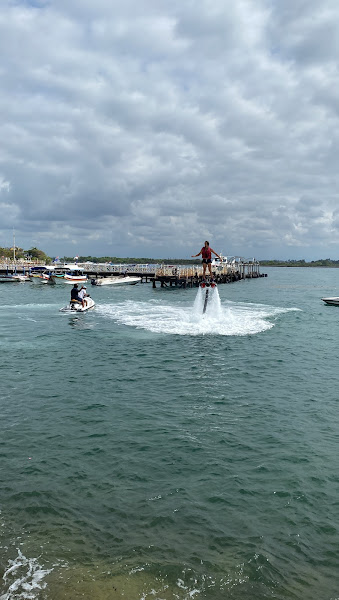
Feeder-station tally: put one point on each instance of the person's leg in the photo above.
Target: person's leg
(210, 269)
(204, 270)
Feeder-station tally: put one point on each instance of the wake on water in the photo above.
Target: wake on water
(23, 578)
(232, 319)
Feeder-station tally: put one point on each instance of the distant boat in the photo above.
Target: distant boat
(47, 277)
(52, 275)
(22, 278)
(14, 278)
(7, 279)
(219, 264)
(116, 280)
(334, 301)
(75, 276)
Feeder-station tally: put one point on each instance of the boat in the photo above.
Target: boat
(36, 272)
(7, 279)
(21, 278)
(334, 301)
(219, 264)
(120, 280)
(52, 275)
(73, 307)
(75, 276)
(14, 278)
(47, 277)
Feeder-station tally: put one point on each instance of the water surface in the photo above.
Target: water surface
(150, 451)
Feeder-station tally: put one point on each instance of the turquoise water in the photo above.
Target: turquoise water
(150, 452)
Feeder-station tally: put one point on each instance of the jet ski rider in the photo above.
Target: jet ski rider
(75, 298)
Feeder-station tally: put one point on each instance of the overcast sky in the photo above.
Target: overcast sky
(144, 127)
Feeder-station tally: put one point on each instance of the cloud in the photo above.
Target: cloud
(142, 128)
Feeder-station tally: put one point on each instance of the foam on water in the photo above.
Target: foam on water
(230, 319)
(26, 306)
(23, 578)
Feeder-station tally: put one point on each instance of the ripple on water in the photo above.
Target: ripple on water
(148, 451)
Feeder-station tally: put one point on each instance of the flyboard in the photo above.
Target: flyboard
(208, 286)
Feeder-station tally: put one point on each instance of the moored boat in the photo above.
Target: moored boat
(52, 275)
(120, 280)
(219, 264)
(75, 276)
(333, 301)
(47, 277)
(14, 278)
(21, 277)
(7, 279)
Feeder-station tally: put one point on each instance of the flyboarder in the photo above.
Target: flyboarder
(206, 253)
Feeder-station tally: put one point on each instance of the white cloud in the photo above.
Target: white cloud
(5, 186)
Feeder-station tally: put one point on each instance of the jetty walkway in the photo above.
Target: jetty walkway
(183, 276)
(227, 272)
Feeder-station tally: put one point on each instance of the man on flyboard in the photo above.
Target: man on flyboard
(206, 253)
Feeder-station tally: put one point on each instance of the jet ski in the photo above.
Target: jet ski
(77, 307)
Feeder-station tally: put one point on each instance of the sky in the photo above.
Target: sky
(144, 128)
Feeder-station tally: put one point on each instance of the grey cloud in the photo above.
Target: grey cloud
(153, 126)
(310, 30)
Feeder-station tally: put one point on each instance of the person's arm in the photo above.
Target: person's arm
(216, 254)
(195, 255)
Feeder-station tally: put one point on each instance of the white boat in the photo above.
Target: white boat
(46, 278)
(14, 278)
(116, 280)
(75, 276)
(52, 272)
(51, 276)
(334, 301)
(77, 307)
(7, 279)
(21, 278)
(219, 264)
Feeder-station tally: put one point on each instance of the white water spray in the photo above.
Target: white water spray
(227, 319)
(213, 306)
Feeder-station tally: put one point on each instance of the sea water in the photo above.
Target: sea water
(149, 451)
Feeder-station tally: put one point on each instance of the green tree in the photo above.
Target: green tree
(39, 254)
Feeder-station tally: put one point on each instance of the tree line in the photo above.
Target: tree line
(322, 262)
(33, 253)
(36, 254)
(130, 260)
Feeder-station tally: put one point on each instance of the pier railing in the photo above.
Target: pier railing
(241, 268)
(123, 268)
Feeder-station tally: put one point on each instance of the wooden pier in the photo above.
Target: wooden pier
(192, 276)
(166, 276)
